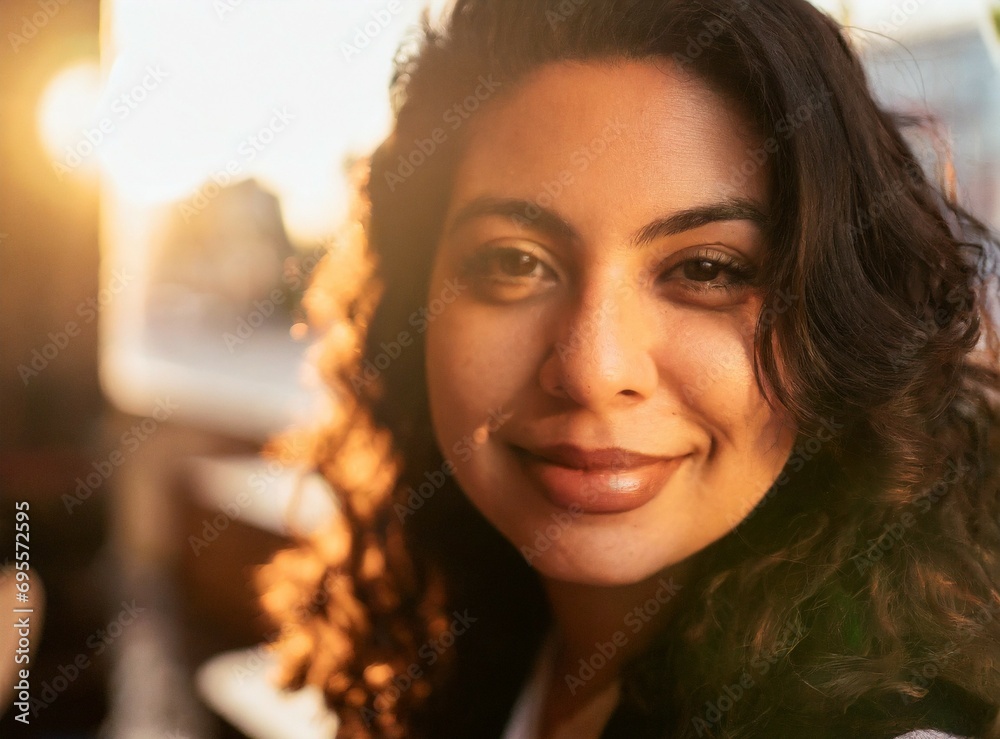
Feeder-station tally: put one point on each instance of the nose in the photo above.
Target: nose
(602, 355)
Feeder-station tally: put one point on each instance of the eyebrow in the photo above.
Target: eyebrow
(730, 209)
(543, 219)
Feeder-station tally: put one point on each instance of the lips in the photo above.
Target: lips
(612, 480)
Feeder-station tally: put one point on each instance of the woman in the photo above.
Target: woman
(666, 399)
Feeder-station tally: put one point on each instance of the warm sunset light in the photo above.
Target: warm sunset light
(66, 122)
(219, 93)
(574, 369)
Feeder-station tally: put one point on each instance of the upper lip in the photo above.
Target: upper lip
(609, 458)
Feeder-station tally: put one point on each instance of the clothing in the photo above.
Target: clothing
(526, 714)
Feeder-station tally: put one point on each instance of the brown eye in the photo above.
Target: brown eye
(711, 276)
(506, 273)
(515, 263)
(507, 263)
(702, 270)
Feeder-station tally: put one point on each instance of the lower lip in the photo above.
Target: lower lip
(598, 491)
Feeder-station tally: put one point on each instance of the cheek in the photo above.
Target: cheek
(712, 371)
(475, 365)
(711, 360)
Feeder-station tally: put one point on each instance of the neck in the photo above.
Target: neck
(600, 627)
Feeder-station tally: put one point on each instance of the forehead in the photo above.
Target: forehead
(635, 137)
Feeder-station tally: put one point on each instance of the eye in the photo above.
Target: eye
(709, 272)
(512, 262)
(505, 272)
(702, 270)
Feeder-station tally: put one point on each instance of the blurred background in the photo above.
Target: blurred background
(170, 174)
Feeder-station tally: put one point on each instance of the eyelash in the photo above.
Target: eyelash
(480, 269)
(479, 266)
(741, 275)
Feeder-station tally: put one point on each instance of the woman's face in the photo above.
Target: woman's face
(589, 361)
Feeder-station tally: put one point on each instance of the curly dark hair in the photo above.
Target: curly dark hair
(859, 598)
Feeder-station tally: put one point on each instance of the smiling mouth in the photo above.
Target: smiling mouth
(598, 488)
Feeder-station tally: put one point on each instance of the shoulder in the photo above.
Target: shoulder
(928, 734)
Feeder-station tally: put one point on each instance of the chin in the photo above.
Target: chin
(593, 568)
